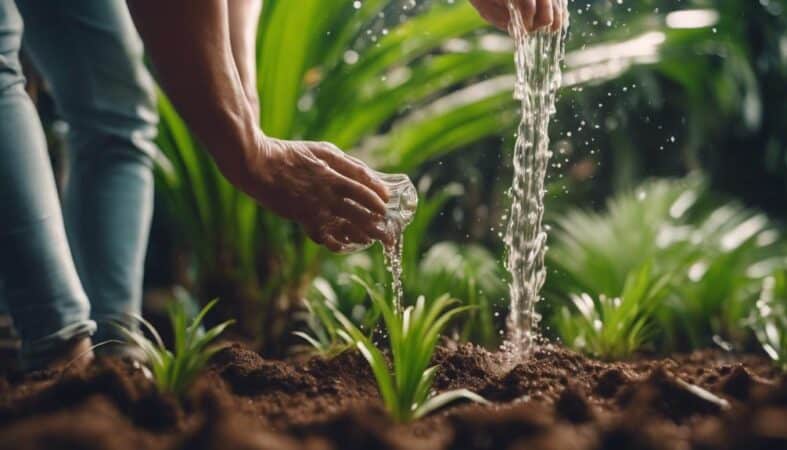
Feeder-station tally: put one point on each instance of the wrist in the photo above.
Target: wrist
(235, 146)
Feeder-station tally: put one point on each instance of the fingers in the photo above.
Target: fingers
(543, 15)
(338, 235)
(364, 220)
(346, 188)
(528, 10)
(330, 243)
(557, 15)
(496, 14)
(350, 167)
(535, 13)
(320, 234)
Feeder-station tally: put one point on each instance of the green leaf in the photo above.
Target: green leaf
(445, 398)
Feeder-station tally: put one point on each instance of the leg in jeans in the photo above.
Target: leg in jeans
(41, 286)
(92, 57)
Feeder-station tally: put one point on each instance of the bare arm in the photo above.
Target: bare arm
(244, 18)
(199, 74)
(337, 199)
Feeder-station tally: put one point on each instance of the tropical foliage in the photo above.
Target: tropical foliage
(613, 327)
(714, 253)
(769, 318)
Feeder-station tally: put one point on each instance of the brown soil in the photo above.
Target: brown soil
(556, 401)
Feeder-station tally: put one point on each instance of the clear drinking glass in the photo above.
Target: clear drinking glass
(400, 209)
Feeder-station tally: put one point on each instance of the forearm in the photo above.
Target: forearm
(189, 44)
(243, 19)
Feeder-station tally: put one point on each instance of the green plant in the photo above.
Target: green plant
(406, 388)
(174, 370)
(613, 327)
(471, 274)
(769, 318)
(322, 327)
(709, 249)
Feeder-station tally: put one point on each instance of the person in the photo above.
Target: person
(54, 257)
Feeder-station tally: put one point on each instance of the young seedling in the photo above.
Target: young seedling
(322, 300)
(769, 319)
(613, 328)
(406, 389)
(174, 371)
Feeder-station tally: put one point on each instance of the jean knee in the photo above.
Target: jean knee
(12, 81)
(11, 29)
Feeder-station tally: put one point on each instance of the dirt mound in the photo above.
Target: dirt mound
(557, 400)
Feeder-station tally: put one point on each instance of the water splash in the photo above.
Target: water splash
(538, 57)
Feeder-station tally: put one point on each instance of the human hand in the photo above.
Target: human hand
(536, 14)
(336, 198)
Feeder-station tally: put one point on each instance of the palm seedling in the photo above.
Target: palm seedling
(406, 388)
(173, 371)
(613, 327)
(769, 319)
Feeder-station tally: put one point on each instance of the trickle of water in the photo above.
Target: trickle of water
(538, 57)
(393, 262)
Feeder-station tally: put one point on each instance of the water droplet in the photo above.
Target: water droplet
(351, 57)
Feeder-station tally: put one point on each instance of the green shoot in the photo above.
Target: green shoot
(769, 319)
(406, 390)
(613, 327)
(174, 371)
(321, 324)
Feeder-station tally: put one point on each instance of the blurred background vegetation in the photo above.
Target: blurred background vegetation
(666, 195)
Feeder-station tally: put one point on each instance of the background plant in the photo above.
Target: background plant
(714, 252)
(769, 318)
(613, 327)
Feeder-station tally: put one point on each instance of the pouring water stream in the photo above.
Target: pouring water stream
(538, 57)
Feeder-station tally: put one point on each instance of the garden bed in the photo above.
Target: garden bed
(559, 400)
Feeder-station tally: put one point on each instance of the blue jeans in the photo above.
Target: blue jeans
(53, 260)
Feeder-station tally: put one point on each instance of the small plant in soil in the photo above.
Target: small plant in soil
(769, 319)
(173, 371)
(344, 295)
(406, 387)
(613, 327)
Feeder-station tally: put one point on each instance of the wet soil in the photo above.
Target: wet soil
(558, 400)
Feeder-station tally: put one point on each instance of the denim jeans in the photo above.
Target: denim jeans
(70, 271)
